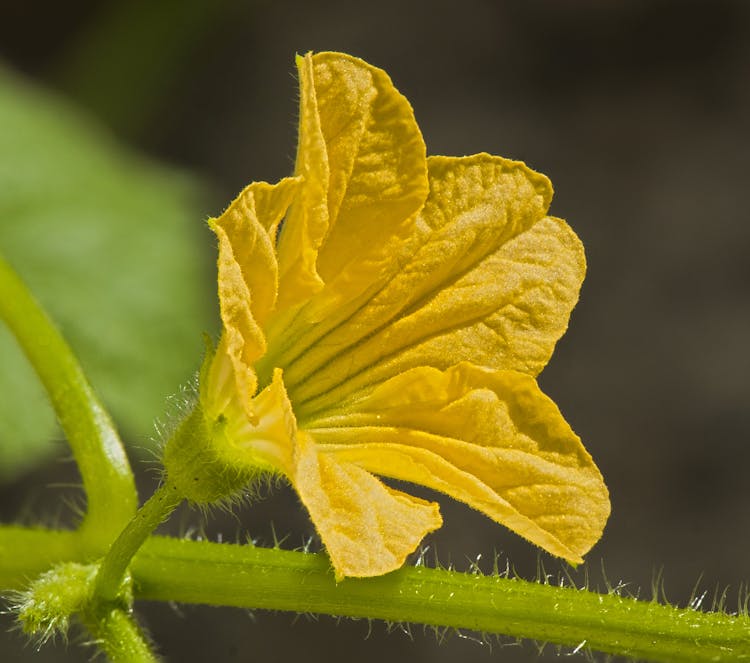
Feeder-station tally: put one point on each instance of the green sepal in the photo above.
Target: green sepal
(197, 466)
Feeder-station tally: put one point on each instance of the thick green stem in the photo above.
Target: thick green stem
(244, 576)
(96, 446)
(248, 577)
(146, 520)
(28, 552)
(117, 634)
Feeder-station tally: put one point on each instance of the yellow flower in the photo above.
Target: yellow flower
(386, 313)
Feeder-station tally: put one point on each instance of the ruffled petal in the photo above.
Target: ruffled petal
(247, 284)
(272, 201)
(308, 219)
(363, 162)
(267, 439)
(491, 280)
(507, 312)
(247, 234)
(488, 438)
(242, 340)
(367, 528)
(379, 180)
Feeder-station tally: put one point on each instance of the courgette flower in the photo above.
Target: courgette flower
(385, 314)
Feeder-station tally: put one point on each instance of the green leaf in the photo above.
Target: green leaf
(116, 250)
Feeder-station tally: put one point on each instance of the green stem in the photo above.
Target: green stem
(28, 552)
(167, 569)
(96, 446)
(117, 634)
(146, 520)
(208, 573)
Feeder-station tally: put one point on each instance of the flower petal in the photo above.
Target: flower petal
(508, 311)
(307, 222)
(492, 281)
(272, 202)
(363, 162)
(488, 438)
(367, 528)
(246, 232)
(379, 180)
(267, 439)
(247, 280)
(242, 340)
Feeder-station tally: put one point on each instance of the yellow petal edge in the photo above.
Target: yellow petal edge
(385, 314)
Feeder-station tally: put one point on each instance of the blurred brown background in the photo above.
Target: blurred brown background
(639, 112)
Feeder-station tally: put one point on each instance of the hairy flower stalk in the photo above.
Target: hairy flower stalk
(385, 314)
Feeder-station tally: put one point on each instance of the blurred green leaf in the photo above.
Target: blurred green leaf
(115, 248)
